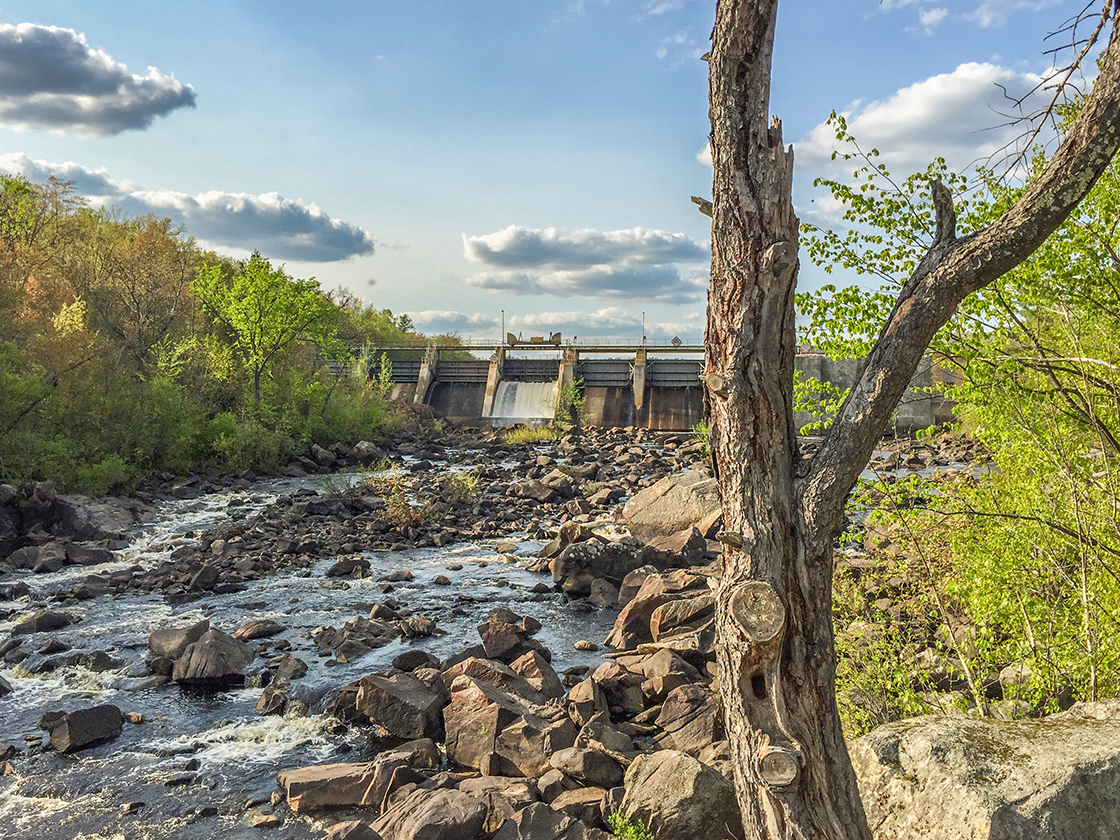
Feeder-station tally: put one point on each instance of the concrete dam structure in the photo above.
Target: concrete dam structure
(648, 386)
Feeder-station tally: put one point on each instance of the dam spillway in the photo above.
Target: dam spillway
(647, 386)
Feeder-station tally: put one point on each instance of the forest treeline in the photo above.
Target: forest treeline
(127, 350)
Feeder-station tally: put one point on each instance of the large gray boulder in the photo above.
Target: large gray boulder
(955, 777)
(678, 797)
(170, 642)
(84, 728)
(403, 705)
(216, 659)
(675, 503)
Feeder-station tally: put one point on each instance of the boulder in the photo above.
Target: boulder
(502, 796)
(592, 767)
(171, 642)
(538, 673)
(333, 785)
(401, 704)
(216, 659)
(677, 796)
(675, 503)
(954, 777)
(88, 519)
(495, 674)
(581, 803)
(678, 550)
(355, 638)
(540, 822)
(492, 729)
(432, 815)
(686, 615)
(49, 558)
(351, 830)
(585, 700)
(622, 688)
(632, 626)
(580, 564)
(604, 594)
(5, 687)
(367, 452)
(80, 555)
(691, 718)
(41, 621)
(84, 728)
(258, 628)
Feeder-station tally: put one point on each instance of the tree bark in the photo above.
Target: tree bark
(776, 652)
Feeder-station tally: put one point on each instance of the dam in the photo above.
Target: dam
(654, 386)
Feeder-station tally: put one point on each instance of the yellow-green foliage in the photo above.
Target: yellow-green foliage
(627, 829)
(531, 434)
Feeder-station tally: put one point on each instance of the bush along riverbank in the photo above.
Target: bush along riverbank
(440, 635)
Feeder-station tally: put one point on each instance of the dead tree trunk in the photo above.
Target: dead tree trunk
(776, 651)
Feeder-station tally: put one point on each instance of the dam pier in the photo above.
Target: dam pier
(653, 385)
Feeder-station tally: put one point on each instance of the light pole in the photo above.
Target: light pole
(643, 329)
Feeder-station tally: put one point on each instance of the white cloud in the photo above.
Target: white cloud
(932, 18)
(962, 116)
(681, 47)
(276, 226)
(704, 156)
(51, 78)
(608, 265)
(996, 12)
(519, 247)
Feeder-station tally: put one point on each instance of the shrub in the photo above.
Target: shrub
(627, 828)
(520, 435)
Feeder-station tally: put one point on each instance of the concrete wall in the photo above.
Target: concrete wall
(666, 407)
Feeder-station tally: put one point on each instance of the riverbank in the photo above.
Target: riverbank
(465, 581)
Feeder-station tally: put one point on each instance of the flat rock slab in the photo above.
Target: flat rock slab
(955, 777)
(675, 503)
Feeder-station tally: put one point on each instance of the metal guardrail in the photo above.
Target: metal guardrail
(531, 370)
(402, 370)
(674, 373)
(463, 371)
(604, 373)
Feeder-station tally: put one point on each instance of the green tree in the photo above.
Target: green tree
(266, 312)
(775, 648)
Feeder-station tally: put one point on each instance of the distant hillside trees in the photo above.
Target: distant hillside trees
(125, 349)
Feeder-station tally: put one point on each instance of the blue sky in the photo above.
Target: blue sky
(454, 159)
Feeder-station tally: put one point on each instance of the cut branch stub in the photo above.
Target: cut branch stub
(716, 384)
(779, 766)
(758, 611)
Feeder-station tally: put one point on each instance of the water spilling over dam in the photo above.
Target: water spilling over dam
(648, 386)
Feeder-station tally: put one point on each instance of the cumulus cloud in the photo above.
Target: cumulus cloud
(613, 265)
(51, 78)
(450, 321)
(276, 226)
(604, 282)
(962, 116)
(519, 247)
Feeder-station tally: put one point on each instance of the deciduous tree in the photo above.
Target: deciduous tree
(266, 312)
(776, 651)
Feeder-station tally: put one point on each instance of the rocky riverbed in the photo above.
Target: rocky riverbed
(426, 637)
